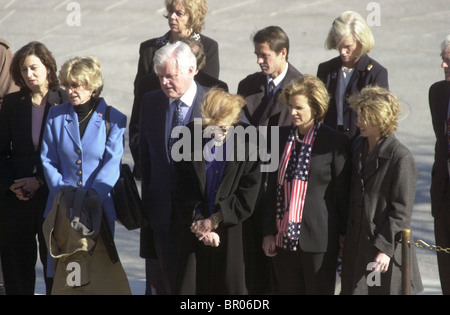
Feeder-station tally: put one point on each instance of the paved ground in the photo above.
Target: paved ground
(407, 33)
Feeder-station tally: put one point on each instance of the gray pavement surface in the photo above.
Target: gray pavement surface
(407, 34)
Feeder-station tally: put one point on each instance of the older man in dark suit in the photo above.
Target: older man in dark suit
(439, 99)
(150, 82)
(176, 103)
(265, 107)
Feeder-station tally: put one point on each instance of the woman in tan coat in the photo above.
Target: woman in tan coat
(383, 188)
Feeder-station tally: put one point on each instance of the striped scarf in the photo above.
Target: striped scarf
(292, 184)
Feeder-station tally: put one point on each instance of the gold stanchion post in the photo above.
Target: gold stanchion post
(406, 262)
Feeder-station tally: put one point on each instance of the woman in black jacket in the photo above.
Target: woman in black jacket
(23, 191)
(351, 71)
(306, 203)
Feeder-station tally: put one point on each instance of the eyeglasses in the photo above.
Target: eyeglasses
(178, 13)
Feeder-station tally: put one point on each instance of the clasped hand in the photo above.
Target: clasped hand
(25, 188)
(203, 230)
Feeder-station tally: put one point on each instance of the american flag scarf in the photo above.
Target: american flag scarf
(292, 184)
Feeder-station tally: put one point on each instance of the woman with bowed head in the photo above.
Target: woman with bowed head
(75, 150)
(351, 71)
(306, 204)
(23, 188)
(383, 187)
(216, 190)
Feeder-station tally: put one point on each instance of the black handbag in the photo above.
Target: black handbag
(129, 208)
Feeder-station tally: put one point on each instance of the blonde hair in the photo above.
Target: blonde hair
(196, 9)
(376, 106)
(350, 23)
(313, 89)
(221, 107)
(85, 71)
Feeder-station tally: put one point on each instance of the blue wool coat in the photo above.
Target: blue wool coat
(89, 162)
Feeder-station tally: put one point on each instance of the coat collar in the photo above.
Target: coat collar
(93, 127)
(383, 151)
(200, 167)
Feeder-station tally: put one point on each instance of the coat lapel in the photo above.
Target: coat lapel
(383, 153)
(71, 126)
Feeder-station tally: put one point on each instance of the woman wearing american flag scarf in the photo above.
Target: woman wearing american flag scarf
(307, 198)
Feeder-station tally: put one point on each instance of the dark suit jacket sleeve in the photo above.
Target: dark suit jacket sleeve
(211, 48)
(240, 205)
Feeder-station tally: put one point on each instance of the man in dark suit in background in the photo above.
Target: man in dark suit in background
(177, 102)
(265, 107)
(439, 99)
(150, 82)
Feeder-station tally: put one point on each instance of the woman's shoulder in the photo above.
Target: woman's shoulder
(333, 135)
(15, 96)
(330, 64)
(154, 43)
(207, 41)
(397, 149)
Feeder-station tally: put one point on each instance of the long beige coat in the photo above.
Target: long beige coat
(82, 263)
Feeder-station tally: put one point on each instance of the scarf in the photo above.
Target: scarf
(292, 184)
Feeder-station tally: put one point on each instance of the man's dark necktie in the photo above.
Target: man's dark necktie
(177, 120)
(271, 90)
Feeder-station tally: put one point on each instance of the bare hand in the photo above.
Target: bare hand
(210, 239)
(25, 188)
(382, 261)
(202, 227)
(268, 245)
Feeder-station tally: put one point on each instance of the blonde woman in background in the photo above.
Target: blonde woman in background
(351, 71)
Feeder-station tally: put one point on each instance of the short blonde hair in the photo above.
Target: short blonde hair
(196, 9)
(350, 23)
(219, 106)
(376, 106)
(313, 89)
(85, 71)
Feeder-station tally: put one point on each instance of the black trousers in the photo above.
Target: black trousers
(305, 273)
(20, 226)
(442, 236)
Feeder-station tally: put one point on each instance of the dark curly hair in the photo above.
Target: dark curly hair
(41, 51)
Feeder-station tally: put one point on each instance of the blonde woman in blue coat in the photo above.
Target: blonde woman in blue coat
(75, 151)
